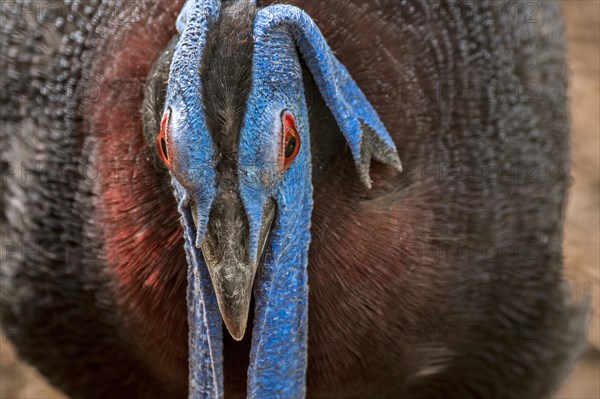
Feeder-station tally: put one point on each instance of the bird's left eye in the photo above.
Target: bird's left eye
(163, 142)
(290, 141)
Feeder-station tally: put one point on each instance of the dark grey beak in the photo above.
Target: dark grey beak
(226, 252)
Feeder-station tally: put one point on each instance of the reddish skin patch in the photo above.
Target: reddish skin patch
(137, 211)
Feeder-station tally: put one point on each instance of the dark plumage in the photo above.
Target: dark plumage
(227, 73)
(444, 281)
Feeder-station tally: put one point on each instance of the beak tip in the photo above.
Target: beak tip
(238, 337)
(237, 330)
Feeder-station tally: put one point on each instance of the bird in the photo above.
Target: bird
(261, 199)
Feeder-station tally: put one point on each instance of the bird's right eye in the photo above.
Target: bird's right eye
(163, 141)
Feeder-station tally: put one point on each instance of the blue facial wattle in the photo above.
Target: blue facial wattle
(282, 34)
(196, 158)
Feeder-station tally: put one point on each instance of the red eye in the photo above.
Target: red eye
(290, 143)
(163, 142)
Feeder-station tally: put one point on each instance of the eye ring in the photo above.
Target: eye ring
(290, 140)
(163, 142)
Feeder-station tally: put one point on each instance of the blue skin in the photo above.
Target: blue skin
(278, 358)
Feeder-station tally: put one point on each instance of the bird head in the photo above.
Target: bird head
(234, 136)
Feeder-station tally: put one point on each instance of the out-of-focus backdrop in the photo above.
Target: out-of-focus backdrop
(582, 233)
(582, 236)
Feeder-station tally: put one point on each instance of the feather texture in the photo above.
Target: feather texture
(468, 301)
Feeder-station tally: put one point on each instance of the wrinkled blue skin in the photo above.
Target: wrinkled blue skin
(278, 358)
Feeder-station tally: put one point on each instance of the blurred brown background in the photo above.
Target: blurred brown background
(582, 237)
